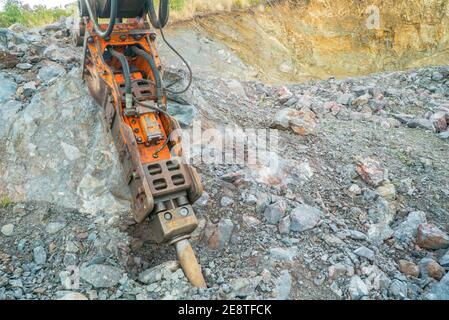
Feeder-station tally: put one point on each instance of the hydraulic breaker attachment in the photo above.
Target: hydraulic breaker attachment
(124, 74)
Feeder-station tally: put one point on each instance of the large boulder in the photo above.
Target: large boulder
(57, 150)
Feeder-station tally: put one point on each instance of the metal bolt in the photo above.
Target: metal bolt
(184, 212)
(168, 216)
(123, 37)
(136, 130)
(139, 139)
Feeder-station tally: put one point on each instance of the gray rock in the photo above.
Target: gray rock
(304, 217)
(274, 212)
(284, 225)
(345, 99)
(226, 201)
(60, 54)
(7, 88)
(357, 235)
(50, 72)
(218, 236)
(92, 182)
(444, 135)
(24, 66)
(283, 285)
(282, 254)
(54, 227)
(73, 296)
(156, 273)
(436, 76)
(357, 288)
(185, 114)
(8, 230)
(70, 259)
(40, 255)
(408, 229)
(398, 289)
(100, 275)
(378, 233)
(243, 287)
(440, 290)
(365, 253)
(29, 89)
(421, 123)
(444, 260)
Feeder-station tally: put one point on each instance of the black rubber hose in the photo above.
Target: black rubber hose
(158, 21)
(112, 18)
(125, 67)
(157, 77)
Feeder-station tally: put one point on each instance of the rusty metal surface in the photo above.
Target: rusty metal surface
(189, 263)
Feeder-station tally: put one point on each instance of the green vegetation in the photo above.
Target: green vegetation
(5, 202)
(15, 12)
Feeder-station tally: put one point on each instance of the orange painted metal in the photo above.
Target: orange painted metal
(123, 36)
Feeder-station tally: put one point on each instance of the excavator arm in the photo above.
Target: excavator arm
(124, 74)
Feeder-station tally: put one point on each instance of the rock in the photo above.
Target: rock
(431, 237)
(440, 290)
(250, 221)
(243, 287)
(409, 268)
(365, 253)
(60, 54)
(73, 296)
(8, 230)
(355, 189)
(24, 66)
(431, 268)
(370, 171)
(54, 227)
(345, 99)
(7, 60)
(398, 289)
(8, 88)
(90, 184)
(51, 71)
(357, 235)
(100, 275)
(284, 95)
(378, 233)
(304, 217)
(436, 76)
(336, 271)
(439, 120)
(226, 202)
(408, 229)
(421, 123)
(40, 255)
(70, 259)
(283, 285)
(29, 89)
(156, 273)
(220, 235)
(185, 114)
(284, 225)
(282, 254)
(444, 135)
(444, 260)
(302, 122)
(357, 288)
(274, 212)
(387, 191)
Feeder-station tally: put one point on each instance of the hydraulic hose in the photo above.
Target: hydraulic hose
(126, 74)
(112, 18)
(158, 21)
(157, 77)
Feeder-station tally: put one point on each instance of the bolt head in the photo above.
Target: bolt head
(168, 216)
(184, 212)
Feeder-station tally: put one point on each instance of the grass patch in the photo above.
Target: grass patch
(6, 202)
(14, 11)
